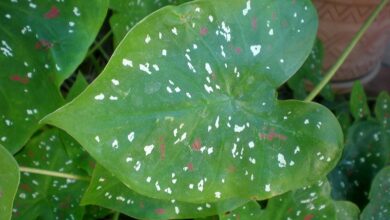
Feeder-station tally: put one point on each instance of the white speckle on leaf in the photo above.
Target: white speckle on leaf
(217, 195)
(267, 188)
(307, 121)
(115, 82)
(115, 144)
(148, 39)
(148, 149)
(247, 9)
(131, 137)
(97, 138)
(174, 31)
(281, 160)
(297, 149)
(126, 62)
(208, 68)
(256, 49)
(239, 129)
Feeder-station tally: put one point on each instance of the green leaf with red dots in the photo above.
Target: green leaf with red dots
(251, 210)
(128, 13)
(379, 205)
(41, 44)
(358, 103)
(309, 203)
(107, 191)
(43, 196)
(191, 90)
(9, 181)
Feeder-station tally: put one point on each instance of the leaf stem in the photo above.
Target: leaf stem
(99, 44)
(116, 216)
(53, 173)
(332, 71)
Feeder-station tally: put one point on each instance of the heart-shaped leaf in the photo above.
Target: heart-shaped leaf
(379, 205)
(9, 181)
(127, 13)
(41, 44)
(312, 202)
(107, 191)
(46, 197)
(187, 109)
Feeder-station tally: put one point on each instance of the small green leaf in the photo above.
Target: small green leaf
(382, 109)
(366, 152)
(312, 202)
(78, 87)
(379, 205)
(191, 91)
(128, 13)
(358, 103)
(251, 210)
(46, 197)
(41, 44)
(107, 191)
(9, 181)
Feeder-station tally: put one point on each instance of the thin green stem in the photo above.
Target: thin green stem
(53, 173)
(99, 44)
(332, 71)
(116, 216)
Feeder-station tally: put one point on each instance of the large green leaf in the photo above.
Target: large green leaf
(190, 91)
(9, 181)
(312, 202)
(379, 205)
(42, 43)
(127, 13)
(107, 191)
(46, 197)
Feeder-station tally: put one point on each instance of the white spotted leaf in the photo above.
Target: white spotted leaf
(379, 205)
(43, 196)
(251, 210)
(187, 93)
(358, 104)
(9, 181)
(107, 191)
(41, 44)
(382, 109)
(309, 203)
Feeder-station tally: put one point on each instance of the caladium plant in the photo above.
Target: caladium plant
(197, 115)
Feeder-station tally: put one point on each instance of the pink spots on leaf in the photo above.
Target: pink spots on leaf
(20, 79)
(254, 23)
(231, 169)
(190, 166)
(203, 31)
(309, 217)
(91, 164)
(53, 13)
(43, 45)
(25, 187)
(162, 148)
(197, 144)
(271, 136)
(141, 205)
(238, 50)
(160, 211)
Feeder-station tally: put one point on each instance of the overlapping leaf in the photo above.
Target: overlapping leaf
(107, 191)
(9, 181)
(366, 152)
(312, 202)
(127, 13)
(46, 197)
(187, 109)
(379, 205)
(41, 44)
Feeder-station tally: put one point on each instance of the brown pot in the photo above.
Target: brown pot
(339, 22)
